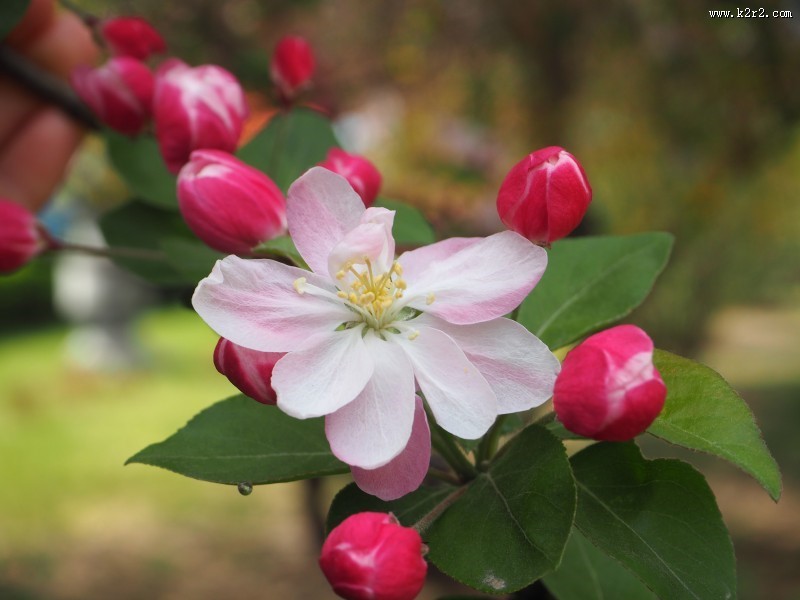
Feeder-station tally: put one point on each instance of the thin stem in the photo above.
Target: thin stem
(490, 442)
(445, 476)
(447, 447)
(437, 510)
(117, 251)
(46, 86)
(514, 314)
(546, 419)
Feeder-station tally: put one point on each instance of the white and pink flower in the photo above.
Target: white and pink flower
(362, 331)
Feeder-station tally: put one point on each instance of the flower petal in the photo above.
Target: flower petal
(480, 282)
(321, 208)
(254, 304)
(371, 238)
(404, 473)
(321, 379)
(416, 262)
(375, 427)
(519, 366)
(459, 396)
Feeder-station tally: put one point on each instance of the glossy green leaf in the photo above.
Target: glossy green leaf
(143, 227)
(239, 440)
(139, 162)
(409, 509)
(410, 227)
(290, 144)
(190, 257)
(11, 13)
(703, 412)
(592, 282)
(587, 573)
(511, 525)
(658, 518)
(282, 246)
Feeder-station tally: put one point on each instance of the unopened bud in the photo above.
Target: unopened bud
(544, 196)
(371, 556)
(608, 388)
(120, 93)
(249, 370)
(21, 236)
(228, 204)
(292, 66)
(196, 108)
(360, 173)
(132, 36)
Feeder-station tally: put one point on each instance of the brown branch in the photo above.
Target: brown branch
(46, 86)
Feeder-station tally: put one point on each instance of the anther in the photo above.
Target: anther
(299, 284)
(413, 335)
(340, 275)
(342, 295)
(429, 300)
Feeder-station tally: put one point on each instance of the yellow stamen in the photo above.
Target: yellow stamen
(429, 300)
(413, 335)
(342, 295)
(299, 284)
(340, 275)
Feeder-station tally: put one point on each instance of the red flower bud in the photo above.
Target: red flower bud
(120, 93)
(371, 556)
(292, 65)
(608, 388)
(361, 174)
(544, 196)
(249, 370)
(196, 108)
(21, 237)
(228, 204)
(132, 36)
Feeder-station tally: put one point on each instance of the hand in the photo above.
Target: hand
(37, 139)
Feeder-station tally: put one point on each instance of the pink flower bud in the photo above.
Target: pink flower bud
(196, 108)
(544, 196)
(120, 93)
(361, 174)
(228, 204)
(132, 36)
(608, 388)
(249, 370)
(21, 236)
(371, 556)
(292, 65)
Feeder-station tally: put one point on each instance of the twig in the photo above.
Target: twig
(46, 86)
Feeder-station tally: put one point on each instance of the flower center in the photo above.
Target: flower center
(369, 294)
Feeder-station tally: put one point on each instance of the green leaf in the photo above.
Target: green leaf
(290, 144)
(190, 257)
(410, 227)
(239, 440)
(511, 525)
(282, 246)
(409, 509)
(142, 227)
(11, 13)
(591, 282)
(139, 162)
(703, 412)
(658, 518)
(587, 573)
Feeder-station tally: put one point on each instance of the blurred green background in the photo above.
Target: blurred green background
(683, 123)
